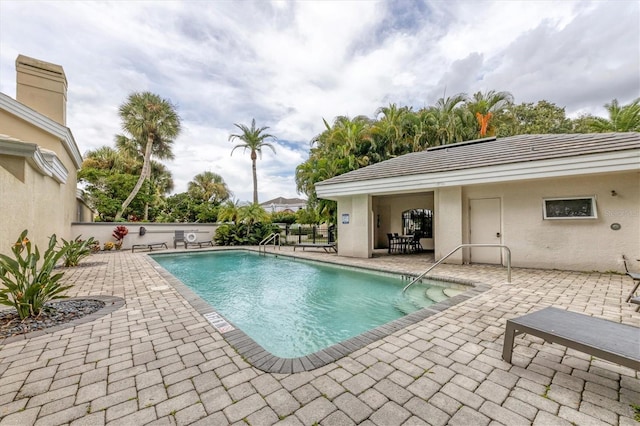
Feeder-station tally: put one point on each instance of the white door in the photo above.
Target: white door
(484, 228)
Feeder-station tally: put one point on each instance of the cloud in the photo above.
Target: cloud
(291, 64)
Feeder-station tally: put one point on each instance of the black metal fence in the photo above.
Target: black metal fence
(296, 234)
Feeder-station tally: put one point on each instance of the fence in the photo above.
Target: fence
(308, 233)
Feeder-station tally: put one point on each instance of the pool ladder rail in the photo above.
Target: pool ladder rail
(507, 249)
(269, 239)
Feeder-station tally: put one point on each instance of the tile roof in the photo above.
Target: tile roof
(492, 152)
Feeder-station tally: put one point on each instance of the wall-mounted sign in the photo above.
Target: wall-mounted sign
(345, 218)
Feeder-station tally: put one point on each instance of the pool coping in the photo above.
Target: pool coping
(265, 361)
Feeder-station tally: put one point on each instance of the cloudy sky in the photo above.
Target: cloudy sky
(291, 64)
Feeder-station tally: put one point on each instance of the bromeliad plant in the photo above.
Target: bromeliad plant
(27, 286)
(76, 250)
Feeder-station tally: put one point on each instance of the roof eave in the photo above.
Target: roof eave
(619, 161)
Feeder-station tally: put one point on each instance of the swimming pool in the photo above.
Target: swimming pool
(293, 308)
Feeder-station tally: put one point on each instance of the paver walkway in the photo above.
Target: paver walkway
(156, 360)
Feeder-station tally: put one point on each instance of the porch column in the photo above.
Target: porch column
(354, 226)
(448, 223)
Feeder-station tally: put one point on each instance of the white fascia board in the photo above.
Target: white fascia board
(44, 123)
(618, 161)
(29, 151)
(58, 171)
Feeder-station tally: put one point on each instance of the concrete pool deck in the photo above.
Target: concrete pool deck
(156, 360)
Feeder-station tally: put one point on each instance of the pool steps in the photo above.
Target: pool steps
(417, 297)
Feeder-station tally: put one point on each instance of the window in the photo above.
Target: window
(418, 221)
(569, 208)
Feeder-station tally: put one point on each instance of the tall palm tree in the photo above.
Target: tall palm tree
(209, 187)
(147, 117)
(252, 139)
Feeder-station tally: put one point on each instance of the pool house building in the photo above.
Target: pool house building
(559, 201)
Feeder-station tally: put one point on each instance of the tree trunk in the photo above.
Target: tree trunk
(255, 177)
(143, 175)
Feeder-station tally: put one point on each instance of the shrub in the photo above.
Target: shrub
(242, 234)
(119, 233)
(109, 245)
(76, 250)
(27, 287)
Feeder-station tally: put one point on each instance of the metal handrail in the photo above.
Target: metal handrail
(266, 240)
(419, 277)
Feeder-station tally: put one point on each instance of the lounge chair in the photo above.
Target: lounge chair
(635, 276)
(602, 338)
(178, 237)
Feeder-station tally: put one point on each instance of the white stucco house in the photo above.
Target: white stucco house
(39, 158)
(565, 201)
(281, 204)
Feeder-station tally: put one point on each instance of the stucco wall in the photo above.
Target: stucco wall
(355, 237)
(574, 244)
(448, 222)
(155, 232)
(39, 204)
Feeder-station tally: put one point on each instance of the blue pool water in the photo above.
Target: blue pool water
(291, 307)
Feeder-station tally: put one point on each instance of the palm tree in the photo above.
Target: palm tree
(229, 212)
(484, 107)
(621, 118)
(252, 139)
(147, 117)
(446, 118)
(209, 187)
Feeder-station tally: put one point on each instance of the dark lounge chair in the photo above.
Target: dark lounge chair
(635, 276)
(602, 338)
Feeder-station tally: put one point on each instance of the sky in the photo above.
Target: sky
(291, 64)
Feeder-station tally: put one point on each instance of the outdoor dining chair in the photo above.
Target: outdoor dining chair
(178, 237)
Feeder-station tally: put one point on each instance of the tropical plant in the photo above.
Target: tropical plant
(252, 139)
(485, 106)
(76, 250)
(28, 278)
(241, 234)
(148, 119)
(229, 212)
(209, 187)
(283, 217)
(119, 233)
(624, 118)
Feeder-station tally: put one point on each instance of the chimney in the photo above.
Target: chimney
(43, 87)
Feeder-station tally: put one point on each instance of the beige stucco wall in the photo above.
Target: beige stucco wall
(39, 204)
(571, 244)
(355, 238)
(448, 223)
(574, 244)
(155, 232)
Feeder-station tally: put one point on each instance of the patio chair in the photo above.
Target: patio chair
(414, 244)
(178, 237)
(635, 276)
(393, 243)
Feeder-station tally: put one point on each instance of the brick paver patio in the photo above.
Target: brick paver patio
(156, 360)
